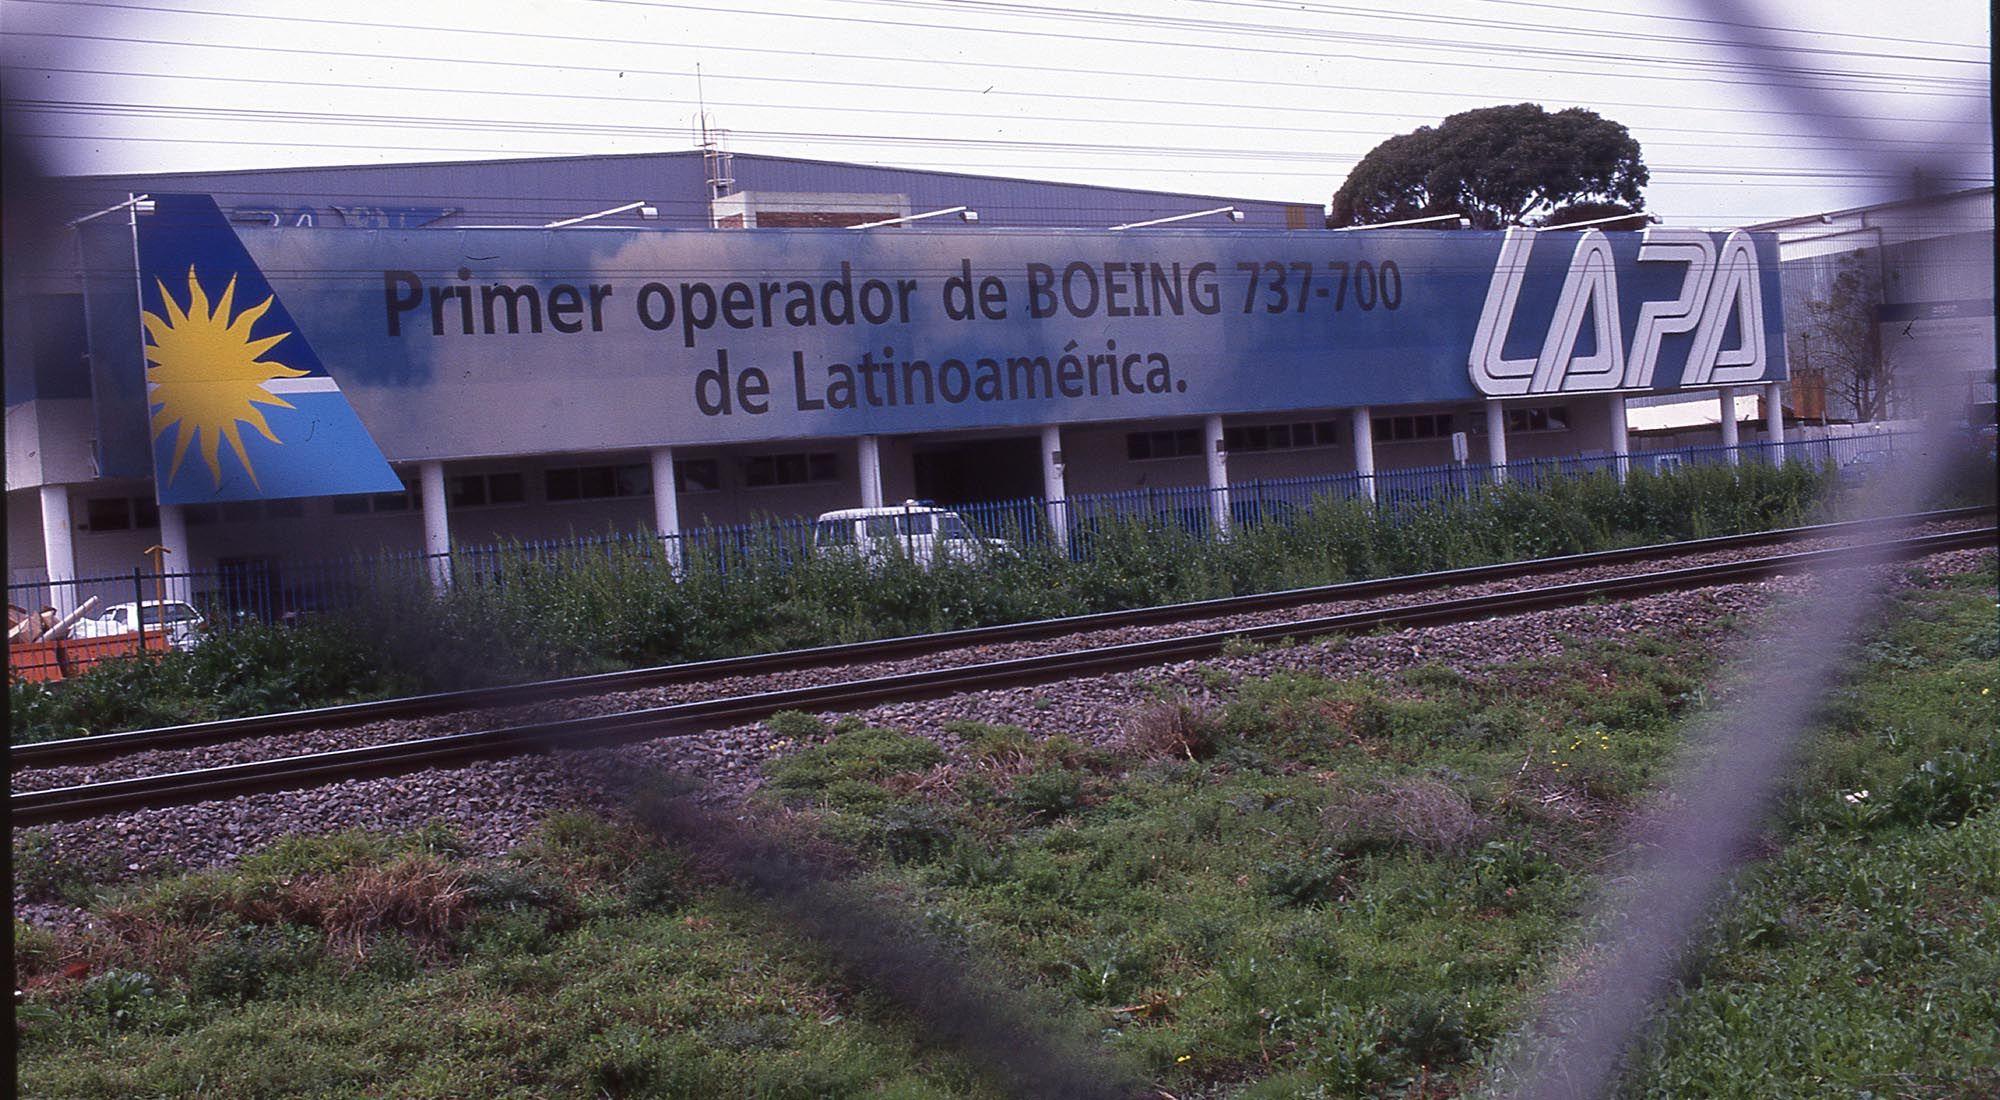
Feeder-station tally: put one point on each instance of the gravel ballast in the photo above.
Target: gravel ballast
(494, 805)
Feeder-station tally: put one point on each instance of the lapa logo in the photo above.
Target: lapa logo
(222, 355)
(1721, 284)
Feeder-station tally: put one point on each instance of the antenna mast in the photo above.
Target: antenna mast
(715, 159)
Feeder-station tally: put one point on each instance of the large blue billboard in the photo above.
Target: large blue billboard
(466, 343)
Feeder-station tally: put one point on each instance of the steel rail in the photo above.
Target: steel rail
(180, 788)
(76, 750)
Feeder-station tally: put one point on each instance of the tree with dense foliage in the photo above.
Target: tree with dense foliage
(1496, 166)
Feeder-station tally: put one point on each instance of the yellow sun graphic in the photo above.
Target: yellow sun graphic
(207, 375)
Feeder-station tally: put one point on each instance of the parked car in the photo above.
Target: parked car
(184, 624)
(916, 531)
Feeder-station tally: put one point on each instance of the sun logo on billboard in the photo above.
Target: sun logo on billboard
(207, 375)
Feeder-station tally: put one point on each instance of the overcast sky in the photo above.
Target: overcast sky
(1821, 104)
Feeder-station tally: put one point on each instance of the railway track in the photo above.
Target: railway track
(180, 788)
(81, 750)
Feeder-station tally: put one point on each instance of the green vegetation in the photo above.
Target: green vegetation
(611, 607)
(1875, 935)
(252, 669)
(1316, 888)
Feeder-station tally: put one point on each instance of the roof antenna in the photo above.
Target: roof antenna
(714, 157)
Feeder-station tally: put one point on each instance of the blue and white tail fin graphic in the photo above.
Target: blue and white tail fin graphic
(241, 406)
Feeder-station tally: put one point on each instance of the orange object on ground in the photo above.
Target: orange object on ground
(49, 662)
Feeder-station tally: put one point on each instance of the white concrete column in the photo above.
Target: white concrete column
(437, 524)
(59, 548)
(1621, 439)
(1363, 423)
(174, 536)
(666, 505)
(868, 467)
(1054, 490)
(1730, 438)
(1218, 474)
(1774, 423)
(1496, 441)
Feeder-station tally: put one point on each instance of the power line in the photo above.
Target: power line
(435, 121)
(1971, 88)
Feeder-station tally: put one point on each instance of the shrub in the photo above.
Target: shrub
(1424, 814)
(252, 960)
(852, 758)
(1308, 880)
(1047, 794)
(419, 896)
(796, 724)
(121, 997)
(914, 832)
(1172, 728)
(1947, 788)
(1428, 1029)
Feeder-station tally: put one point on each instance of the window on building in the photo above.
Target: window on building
(465, 490)
(508, 488)
(792, 468)
(1538, 418)
(598, 482)
(1251, 438)
(108, 514)
(1175, 443)
(478, 490)
(697, 475)
(120, 514)
(248, 511)
(395, 502)
(1398, 429)
(378, 502)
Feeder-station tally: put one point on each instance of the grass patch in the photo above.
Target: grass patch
(1349, 889)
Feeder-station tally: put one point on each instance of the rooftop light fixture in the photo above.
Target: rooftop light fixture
(1229, 212)
(964, 215)
(1651, 219)
(1463, 223)
(645, 211)
(139, 204)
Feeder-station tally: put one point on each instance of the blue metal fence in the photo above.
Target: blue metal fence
(275, 593)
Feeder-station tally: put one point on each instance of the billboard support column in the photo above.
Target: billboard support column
(1054, 491)
(437, 524)
(1621, 438)
(1364, 448)
(868, 468)
(174, 536)
(1774, 422)
(1217, 457)
(1496, 441)
(59, 547)
(1730, 438)
(666, 505)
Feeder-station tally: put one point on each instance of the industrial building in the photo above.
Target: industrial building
(530, 349)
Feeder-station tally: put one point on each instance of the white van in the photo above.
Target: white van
(183, 624)
(916, 531)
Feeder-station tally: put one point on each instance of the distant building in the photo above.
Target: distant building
(1889, 308)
